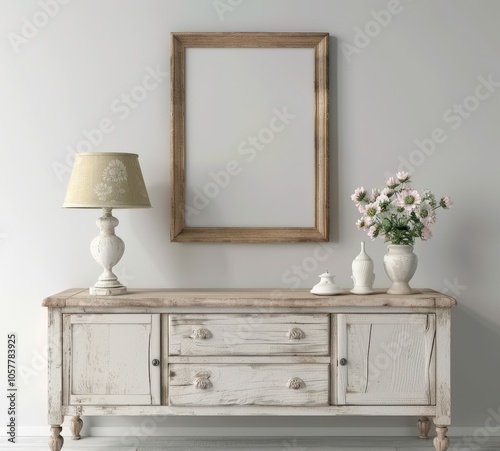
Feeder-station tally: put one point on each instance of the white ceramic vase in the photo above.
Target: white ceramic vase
(362, 273)
(400, 263)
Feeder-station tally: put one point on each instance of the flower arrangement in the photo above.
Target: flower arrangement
(398, 212)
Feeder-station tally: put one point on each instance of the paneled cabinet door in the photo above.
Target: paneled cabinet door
(386, 359)
(109, 359)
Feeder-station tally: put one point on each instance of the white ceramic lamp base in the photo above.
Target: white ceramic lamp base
(107, 250)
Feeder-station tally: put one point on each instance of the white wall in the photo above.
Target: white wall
(69, 75)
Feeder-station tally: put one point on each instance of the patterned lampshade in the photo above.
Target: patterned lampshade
(106, 180)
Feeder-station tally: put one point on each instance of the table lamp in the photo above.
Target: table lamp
(107, 180)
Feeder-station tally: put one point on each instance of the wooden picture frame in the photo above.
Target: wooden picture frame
(318, 229)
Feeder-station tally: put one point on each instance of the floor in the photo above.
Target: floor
(252, 444)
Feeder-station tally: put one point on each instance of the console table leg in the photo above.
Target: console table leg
(441, 442)
(424, 426)
(75, 426)
(56, 440)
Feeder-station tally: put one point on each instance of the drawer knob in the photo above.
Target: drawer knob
(295, 383)
(202, 334)
(202, 380)
(155, 362)
(296, 334)
(343, 362)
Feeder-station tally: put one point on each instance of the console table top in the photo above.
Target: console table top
(270, 298)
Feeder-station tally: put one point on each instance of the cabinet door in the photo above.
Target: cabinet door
(386, 359)
(108, 359)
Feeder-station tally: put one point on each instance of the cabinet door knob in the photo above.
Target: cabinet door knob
(155, 362)
(343, 362)
(202, 333)
(295, 334)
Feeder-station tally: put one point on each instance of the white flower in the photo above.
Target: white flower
(408, 199)
(361, 224)
(391, 182)
(115, 171)
(387, 192)
(403, 176)
(359, 195)
(445, 202)
(383, 199)
(103, 191)
(372, 209)
(426, 234)
(372, 232)
(374, 195)
(426, 213)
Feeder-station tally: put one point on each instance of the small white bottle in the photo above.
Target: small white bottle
(362, 273)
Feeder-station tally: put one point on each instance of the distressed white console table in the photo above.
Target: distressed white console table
(249, 352)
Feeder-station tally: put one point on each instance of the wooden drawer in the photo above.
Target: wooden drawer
(255, 384)
(251, 334)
